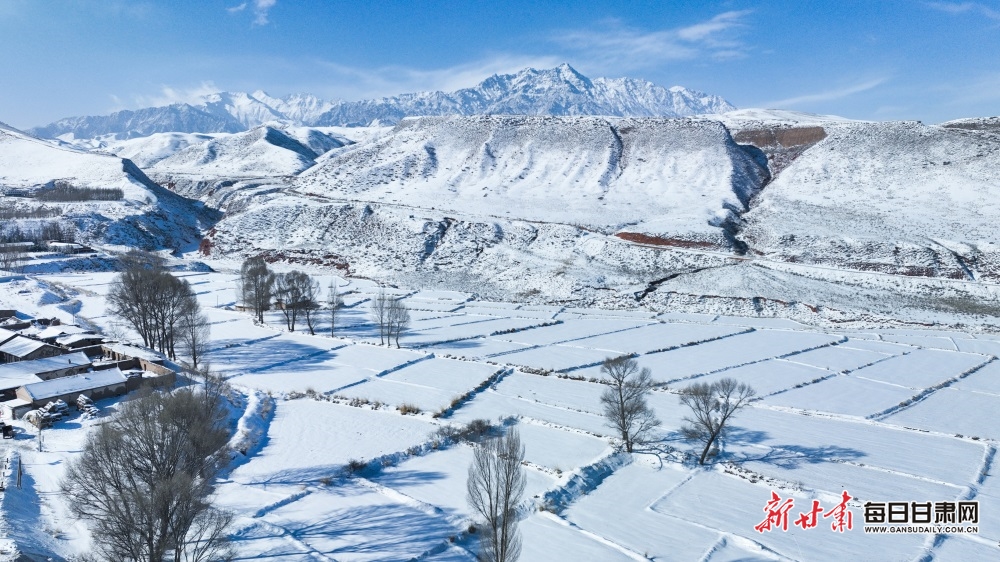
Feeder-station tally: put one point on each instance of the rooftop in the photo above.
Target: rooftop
(21, 346)
(74, 383)
(41, 366)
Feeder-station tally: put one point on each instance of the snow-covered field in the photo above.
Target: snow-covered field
(888, 415)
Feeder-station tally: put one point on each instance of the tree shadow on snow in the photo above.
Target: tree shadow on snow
(783, 456)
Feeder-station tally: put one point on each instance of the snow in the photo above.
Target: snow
(336, 434)
(837, 412)
(74, 383)
(45, 365)
(21, 346)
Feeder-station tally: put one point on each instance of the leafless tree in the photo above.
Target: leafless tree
(334, 302)
(380, 314)
(397, 319)
(308, 295)
(286, 293)
(712, 405)
(195, 333)
(624, 400)
(256, 286)
(144, 478)
(495, 487)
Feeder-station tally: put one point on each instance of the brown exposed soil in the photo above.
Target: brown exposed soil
(640, 238)
(781, 137)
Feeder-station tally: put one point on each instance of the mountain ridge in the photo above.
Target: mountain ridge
(561, 91)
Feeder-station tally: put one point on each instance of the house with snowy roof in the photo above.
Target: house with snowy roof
(94, 384)
(20, 348)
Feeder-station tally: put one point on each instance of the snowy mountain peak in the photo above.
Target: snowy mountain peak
(557, 91)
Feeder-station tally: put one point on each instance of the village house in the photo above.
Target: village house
(95, 385)
(55, 331)
(79, 341)
(68, 248)
(21, 348)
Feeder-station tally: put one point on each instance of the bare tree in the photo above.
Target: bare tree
(297, 292)
(624, 400)
(255, 286)
(712, 405)
(144, 478)
(195, 333)
(397, 320)
(380, 314)
(333, 301)
(495, 487)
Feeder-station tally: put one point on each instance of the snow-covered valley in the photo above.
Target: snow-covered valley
(871, 411)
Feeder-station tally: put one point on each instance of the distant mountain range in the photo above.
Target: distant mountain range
(559, 91)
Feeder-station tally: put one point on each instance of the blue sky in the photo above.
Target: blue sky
(878, 59)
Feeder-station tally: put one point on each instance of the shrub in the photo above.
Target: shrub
(408, 409)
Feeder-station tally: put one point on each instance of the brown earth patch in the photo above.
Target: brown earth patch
(639, 238)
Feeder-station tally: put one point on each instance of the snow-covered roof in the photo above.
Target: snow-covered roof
(133, 351)
(60, 330)
(21, 346)
(70, 339)
(15, 403)
(6, 335)
(41, 366)
(16, 380)
(74, 383)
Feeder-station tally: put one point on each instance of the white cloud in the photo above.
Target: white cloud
(828, 95)
(170, 95)
(964, 8)
(260, 9)
(392, 80)
(617, 47)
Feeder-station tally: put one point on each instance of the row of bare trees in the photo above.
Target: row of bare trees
(161, 308)
(295, 293)
(12, 257)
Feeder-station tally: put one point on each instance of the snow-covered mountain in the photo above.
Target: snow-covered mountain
(147, 216)
(264, 151)
(559, 91)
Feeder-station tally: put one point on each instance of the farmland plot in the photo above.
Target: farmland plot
(709, 499)
(645, 339)
(686, 362)
(309, 439)
(844, 394)
(953, 411)
(572, 329)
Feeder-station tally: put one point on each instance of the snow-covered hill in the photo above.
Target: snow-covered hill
(898, 197)
(147, 216)
(558, 91)
(262, 151)
(505, 205)
(682, 177)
